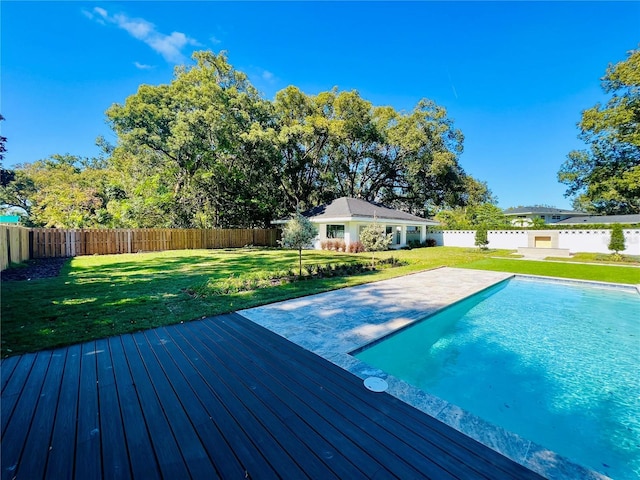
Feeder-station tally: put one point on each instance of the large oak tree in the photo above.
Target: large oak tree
(606, 177)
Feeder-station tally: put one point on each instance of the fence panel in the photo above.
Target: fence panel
(50, 242)
(14, 245)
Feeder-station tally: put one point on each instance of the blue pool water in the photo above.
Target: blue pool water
(555, 363)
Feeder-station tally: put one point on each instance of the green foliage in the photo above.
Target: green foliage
(206, 150)
(375, 239)
(62, 191)
(468, 218)
(606, 178)
(538, 223)
(617, 241)
(481, 240)
(208, 140)
(298, 233)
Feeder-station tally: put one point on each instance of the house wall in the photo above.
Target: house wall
(592, 241)
(352, 232)
(524, 220)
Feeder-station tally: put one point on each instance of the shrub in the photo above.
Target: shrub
(298, 233)
(356, 247)
(375, 239)
(323, 244)
(617, 242)
(340, 246)
(481, 237)
(430, 242)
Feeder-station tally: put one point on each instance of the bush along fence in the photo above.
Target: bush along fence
(54, 242)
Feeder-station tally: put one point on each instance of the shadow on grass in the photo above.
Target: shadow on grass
(97, 297)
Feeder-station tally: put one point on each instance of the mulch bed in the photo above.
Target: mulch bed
(34, 269)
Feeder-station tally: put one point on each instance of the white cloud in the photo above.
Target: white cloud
(267, 75)
(214, 41)
(169, 46)
(142, 66)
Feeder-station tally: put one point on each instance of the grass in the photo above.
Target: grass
(601, 258)
(99, 296)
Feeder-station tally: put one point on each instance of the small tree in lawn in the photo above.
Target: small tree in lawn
(481, 237)
(617, 243)
(298, 234)
(374, 239)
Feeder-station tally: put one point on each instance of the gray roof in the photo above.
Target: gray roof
(355, 208)
(543, 210)
(587, 219)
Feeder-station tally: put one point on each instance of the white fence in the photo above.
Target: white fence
(592, 241)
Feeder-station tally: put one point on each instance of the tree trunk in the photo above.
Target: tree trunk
(300, 254)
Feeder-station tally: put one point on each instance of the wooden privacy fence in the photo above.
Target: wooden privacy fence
(55, 242)
(14, 245)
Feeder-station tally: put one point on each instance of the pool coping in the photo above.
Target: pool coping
(523, 451)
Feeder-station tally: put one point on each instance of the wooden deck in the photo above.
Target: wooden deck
(218, 398)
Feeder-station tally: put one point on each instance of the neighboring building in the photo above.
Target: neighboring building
(601, 219)
(524, 216)
(9, 219)
(344, 218)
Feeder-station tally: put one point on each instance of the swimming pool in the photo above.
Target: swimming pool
(556, 363)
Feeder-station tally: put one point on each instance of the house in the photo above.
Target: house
(524, 216)
(344, 219)
(601, 220)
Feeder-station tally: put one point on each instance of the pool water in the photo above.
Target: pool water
(556, 363)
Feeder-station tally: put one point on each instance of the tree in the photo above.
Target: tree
(298, 233)
(481, 239)
(302, 142)
(466, 218)
(606, 178)
(617, 241)
(61, 191)
(3, 142)
(375, 239)
(210, 136)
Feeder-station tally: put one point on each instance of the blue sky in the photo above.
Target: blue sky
(513, 76)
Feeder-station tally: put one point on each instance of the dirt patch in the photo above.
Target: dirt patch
(34, 269)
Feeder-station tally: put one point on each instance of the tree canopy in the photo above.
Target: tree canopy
(207, 150)
(606, 177)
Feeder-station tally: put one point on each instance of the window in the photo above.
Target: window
(395, 232)
(335, 231)
(413, 234)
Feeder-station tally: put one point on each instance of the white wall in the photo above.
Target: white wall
(592, 241)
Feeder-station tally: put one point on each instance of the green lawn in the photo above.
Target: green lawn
(98, 296)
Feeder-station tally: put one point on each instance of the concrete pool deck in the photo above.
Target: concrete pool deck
(335, 323)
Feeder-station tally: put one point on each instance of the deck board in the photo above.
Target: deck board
(141, 455)
(115, 456)
(167, 453)
(217, 398)
(88, 435)
(61, 455)
(39, 437)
